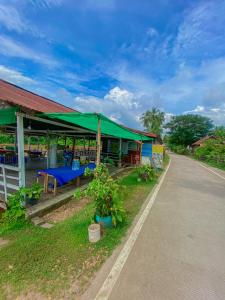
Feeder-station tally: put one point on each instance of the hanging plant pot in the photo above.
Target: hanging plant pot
(106, 221)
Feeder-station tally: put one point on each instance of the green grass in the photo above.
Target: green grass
(220, 166)
(214, 164)
(49, 261)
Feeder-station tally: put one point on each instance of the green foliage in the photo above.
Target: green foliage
(15, 212)
(180, 149)
(33, 192)
(213, 150)
(6, 139)
(106, 194)
(146, 173)
(152, 120)
(47, 261)
(88, 172)
(108, 160)
(187, 129)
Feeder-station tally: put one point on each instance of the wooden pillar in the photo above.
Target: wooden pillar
(48, 148)
(20, 141)
(98, 155)
(120, 153)
(74, 143)
(28, 140)
(141, 153)
(38, 141)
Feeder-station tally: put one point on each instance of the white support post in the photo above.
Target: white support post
(20, 141)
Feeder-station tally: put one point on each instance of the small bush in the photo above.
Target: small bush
(180, 149)
(146, 172)
(15, 212)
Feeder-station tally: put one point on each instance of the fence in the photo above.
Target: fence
(8, 179)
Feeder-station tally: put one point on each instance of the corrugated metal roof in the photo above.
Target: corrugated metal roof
(148, 134)
(19, 96)
(202, 140)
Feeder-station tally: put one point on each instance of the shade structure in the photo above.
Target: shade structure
(90, 121)
(8, 115)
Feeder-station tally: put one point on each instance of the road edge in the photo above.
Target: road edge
(111, 279)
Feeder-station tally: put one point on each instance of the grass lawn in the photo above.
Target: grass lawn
(58, 263)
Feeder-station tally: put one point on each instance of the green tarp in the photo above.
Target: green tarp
(8, 116)
(90, 121)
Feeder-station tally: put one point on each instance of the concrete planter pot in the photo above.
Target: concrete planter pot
(94, 233)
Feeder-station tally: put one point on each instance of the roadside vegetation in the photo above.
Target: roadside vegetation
(213, 151)
(58, 263)
(184, 130)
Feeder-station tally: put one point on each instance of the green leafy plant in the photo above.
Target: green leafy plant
(33, 192)
(109, 161)
(146, 172)
(107, 195)
(15, 212)
(88, 172)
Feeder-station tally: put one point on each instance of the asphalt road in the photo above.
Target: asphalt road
(180, 251)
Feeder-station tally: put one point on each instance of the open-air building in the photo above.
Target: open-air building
(24, 114)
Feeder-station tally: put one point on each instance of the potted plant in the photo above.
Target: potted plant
(32, 194)
(106, 193)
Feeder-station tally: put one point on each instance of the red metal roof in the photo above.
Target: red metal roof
(19, 96)
(202, 140)
(142, 132)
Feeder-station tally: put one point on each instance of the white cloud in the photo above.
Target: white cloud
(113, 105)
(12, 48)
(46, 3)
(202, 31)
(14, 76)
(122, 97)
(198, 109)
(215, 114)
(11, 19)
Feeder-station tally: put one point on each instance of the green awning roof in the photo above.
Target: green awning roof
(90, 121)
(8, 116)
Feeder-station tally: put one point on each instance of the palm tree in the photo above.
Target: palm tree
(152, 120)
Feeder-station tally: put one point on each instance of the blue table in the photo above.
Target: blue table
(63, 175)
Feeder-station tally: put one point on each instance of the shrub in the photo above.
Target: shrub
(180, 149)
(15, 212)
(146, 172)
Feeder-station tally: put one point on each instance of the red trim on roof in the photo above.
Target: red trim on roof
(148, 134)
(18, 96)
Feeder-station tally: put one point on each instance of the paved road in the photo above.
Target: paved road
(180, 252)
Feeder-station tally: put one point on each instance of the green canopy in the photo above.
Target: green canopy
(90, 121)
(8, 116)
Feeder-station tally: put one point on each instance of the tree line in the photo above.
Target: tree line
(181, 131)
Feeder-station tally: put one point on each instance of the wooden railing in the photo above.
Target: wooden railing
(7, 181)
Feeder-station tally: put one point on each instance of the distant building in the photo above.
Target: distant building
(200, 142)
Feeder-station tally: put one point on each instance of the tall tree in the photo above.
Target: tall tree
(153, 120)
(187, 129)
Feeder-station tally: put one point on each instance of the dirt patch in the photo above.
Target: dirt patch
(3, 242)
(65, 211)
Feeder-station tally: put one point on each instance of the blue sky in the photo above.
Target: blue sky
(118, 57)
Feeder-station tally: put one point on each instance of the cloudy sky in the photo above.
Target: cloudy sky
(118, 57)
